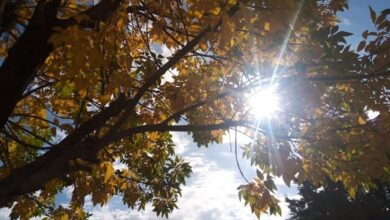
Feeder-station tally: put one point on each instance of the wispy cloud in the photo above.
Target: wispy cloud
(346, 21)
(211, 193)
(4, 213)
(181, 141)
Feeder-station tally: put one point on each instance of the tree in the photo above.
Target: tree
(333, 202)
(85, 85)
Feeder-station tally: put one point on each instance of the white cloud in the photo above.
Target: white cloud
(68, 191)
(4, 213)
(110, 213)
(165, 51)
(181, 142)
(211, 193)
(168, 76)
(346, 21)
(229, 138)
(371, 114)
(118, 165)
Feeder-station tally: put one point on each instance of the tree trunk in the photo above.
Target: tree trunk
(26, 57)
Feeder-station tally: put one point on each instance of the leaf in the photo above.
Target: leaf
(4, 171)
(361, 45)
(380, 19)
(334, 29)
(108, 172)
(259, 174)
(105, 99)
(198, 14)
(372, 14)
(267, 26)
(216, 10)
(53, 131)
(386, 11)
(269, 183)
(154, 136)
(344, 34)
(352, 192)
(195, 28)
(362, 121)
(203, 46)
(128, 62)
(275, 209)
(365, 34)
(232, 42)
(232, 2)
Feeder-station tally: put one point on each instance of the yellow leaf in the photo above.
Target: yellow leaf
(362, 121)
(120, 23)
(195, 28)
(352, 192)
(108, 173)
(198, 14)
(153, 136)
(104, 99)
(253, 20)
(64, 216)
(267, 26)
(216, 10)
(232, 42)
(123, 186)
(203, 46)
(232, 2)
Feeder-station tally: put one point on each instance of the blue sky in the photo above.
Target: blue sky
(357, 18)
(211, 191)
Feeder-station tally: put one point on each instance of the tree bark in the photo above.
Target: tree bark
(32, 48)
(56, 162)
(25, 57)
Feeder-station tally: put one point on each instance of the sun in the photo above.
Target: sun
(264, 103)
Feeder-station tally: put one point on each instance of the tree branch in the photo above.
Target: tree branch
(30, 50)
(347, 78)
(165, 128)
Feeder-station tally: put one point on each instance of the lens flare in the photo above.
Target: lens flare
(264, 103)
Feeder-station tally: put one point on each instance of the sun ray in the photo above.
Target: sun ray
(285, 42)
(264, 103)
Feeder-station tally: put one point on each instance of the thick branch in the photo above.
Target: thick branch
(156, 76)
(348, 78)
(32, 49)
(166, 128)
(55, 163)
(25, 57)
(99, 12)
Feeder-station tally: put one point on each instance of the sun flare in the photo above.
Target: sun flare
(264, 103)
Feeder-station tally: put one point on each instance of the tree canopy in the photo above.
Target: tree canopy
(86, 84)
(333, 202)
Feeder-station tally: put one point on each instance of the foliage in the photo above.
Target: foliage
(85, 86)
(333, 202)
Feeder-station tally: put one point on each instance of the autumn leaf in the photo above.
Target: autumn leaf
(86, 86)
(362, 121)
